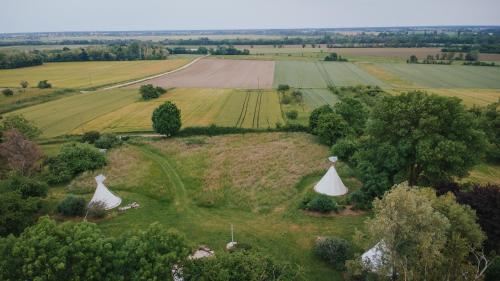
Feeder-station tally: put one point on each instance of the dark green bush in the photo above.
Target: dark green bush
(72, 160)
(148, 91)
(333, 250)
(293, 114)
(345, 148)
(315, 114)
(72, 206)
(331, 127)
(44, 84)
(91, 137)
(7, 92)
(318, 203)
(28, 187)
(286, 99)
(283, 87)
(107, 141)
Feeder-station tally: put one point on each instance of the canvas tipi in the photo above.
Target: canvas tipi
(373, 259)
(102, 194)
(331, 184)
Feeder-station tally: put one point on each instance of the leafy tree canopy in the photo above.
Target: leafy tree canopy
(167, 119)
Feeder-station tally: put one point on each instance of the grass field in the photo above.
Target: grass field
(87, 74)
(315, 75)
(201, 186)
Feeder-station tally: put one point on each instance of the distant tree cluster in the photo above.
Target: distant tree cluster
(16, 59)
(334, 57)
(148, 91)
(228, 50)
(183, 50)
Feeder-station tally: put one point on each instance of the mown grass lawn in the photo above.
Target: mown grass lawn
(200, 186)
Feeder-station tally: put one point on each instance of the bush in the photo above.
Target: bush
(167, 119)
(286, 99)
(97, 210)
(319, 203)
(333, 250)
(72, 160)
(17, 213)
(7, 92)
(90, 137)
(107, 141)
(27, 187)
(148, 91)
(297, 95)
(345, 148)
(331, 127)
(72, 206)
(44, 84)
(293, 114)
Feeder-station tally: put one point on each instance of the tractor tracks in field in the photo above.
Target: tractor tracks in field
(256, 111)
(324, 73)
(244, 109)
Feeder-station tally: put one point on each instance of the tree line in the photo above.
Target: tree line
(115, 52)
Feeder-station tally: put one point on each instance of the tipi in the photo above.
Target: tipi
(331, 184)
(373, 258)
(102, 194)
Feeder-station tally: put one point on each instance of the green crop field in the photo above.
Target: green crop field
(202, 185)
(445, 76)
(314, 98)
(87, 74)
(122, 110)
(302, 74)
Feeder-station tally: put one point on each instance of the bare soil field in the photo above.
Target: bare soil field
(219, 73)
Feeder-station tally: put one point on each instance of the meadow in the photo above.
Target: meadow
(83, 75)
(202, 185)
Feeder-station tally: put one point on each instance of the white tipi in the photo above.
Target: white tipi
(102, 194)
(331, 184)
(373, 258)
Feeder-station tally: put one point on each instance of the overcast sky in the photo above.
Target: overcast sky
(92, 15)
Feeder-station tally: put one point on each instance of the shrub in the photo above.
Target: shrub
(17, 213)
(345, 148)
(319, 203)
(21, 124)
(293, 114)
(97, 210)
(27, 187)
(331, 127)
(90, 137)
(72, 160)
(72, 206)
(44, 84)
(148, 91)
(297, 95)
(107, 141)
(333, 250)
(7, 92)
(167, 119)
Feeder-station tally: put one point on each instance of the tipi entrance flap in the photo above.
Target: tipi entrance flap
(102, 194)
(331, 184)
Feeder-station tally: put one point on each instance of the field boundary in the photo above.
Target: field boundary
(153, 76)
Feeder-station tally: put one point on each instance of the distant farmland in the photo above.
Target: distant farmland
(219, 73)
(445, 76)
(302, 74)
(87, 74)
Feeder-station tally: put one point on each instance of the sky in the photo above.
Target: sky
(108, 15)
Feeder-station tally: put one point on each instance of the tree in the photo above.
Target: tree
(421, 138)
(44, 84)
(353, 112)
(283, 88)
(108, 141)
(331, 127)
(24, 84)
(19, 123)
(488, 118)
(7, 92)
(22, 155)
(315, 114)
(167, 119)
(425, 237)
(413, 59)
(240, 265)
(27, 187)
(16, 213)
(485, 200)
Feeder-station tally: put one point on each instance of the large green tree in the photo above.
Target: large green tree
(425, 237)
(421, 138)
(16, 213)
(167, 119)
